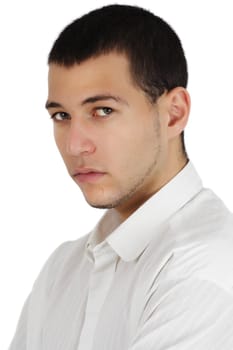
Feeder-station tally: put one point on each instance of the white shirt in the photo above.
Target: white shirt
(161, 280)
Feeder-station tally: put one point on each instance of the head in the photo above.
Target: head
(117, 94)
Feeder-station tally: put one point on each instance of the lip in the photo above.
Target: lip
(88, 175)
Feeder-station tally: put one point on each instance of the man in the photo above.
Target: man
(157, 270)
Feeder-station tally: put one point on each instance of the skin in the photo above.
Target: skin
(134, 143)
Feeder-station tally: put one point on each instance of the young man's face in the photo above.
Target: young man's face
(113, 141)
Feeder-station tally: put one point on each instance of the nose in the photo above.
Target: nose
(78, 139)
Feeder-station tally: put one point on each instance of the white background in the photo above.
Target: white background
(41, 207)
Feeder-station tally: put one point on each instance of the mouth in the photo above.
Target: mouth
(88, 175)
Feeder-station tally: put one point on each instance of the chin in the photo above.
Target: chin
(107, 204)
(110, 203)
(102, 206)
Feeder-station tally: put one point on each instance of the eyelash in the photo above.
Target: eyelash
(108, 110)
(53, 116)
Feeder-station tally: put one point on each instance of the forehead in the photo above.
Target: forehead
(109, 73)
(108, 68)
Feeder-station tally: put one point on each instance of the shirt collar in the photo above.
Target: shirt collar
(131, 237)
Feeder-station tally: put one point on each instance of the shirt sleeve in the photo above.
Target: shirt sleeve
(19, 342)
(191, 314)
(33, 308)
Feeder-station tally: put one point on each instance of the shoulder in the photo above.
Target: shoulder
(60, 261)
(202, 235)
(206, 211)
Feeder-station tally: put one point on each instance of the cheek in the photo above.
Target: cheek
(57, 138)
(59, 141)
(131, 148)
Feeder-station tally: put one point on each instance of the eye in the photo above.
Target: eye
(59, 116)
(102, 111)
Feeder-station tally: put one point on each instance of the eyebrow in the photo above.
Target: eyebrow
(92, 99)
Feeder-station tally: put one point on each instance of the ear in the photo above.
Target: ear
(178, 108)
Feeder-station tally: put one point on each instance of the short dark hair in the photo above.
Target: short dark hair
(156, 57)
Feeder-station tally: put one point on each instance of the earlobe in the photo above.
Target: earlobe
(178, 109)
